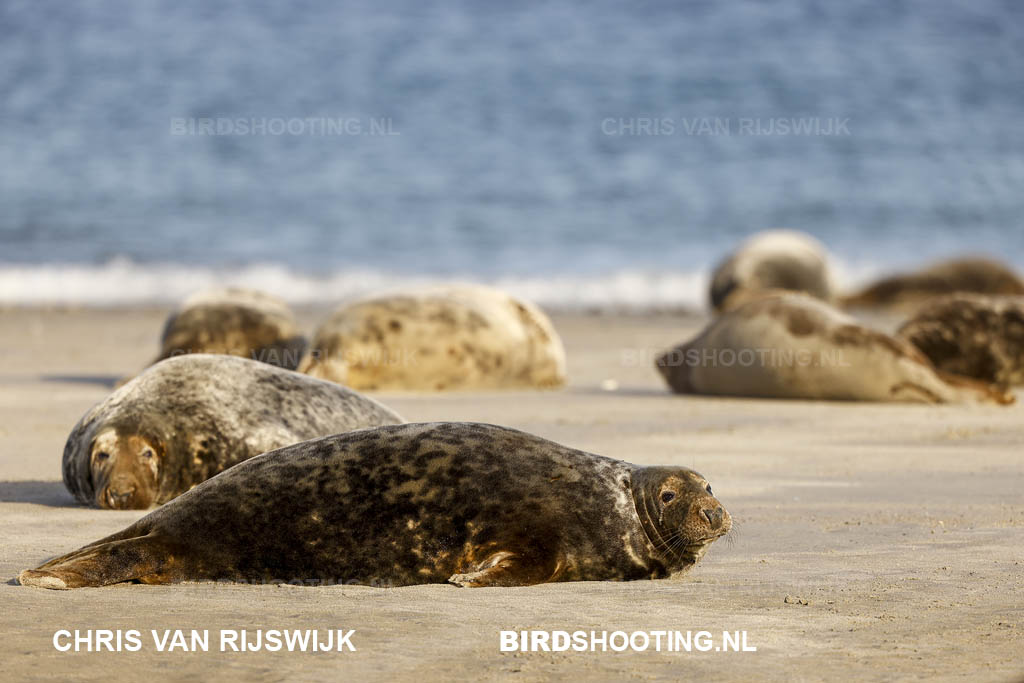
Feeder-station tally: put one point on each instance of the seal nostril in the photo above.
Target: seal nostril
(122, 494)
(714, 517)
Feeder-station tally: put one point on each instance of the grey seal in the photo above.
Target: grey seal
(972, 335)
(187, 418)
(237, 322)
(466, 503)
(962, 275)
(454, 337)
(794, 346)
(772, 260)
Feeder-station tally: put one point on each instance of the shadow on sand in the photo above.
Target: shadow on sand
(109, 381)
(639, 392)
(51, 493)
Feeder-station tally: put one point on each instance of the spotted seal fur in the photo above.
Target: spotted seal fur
(442, 338)
(466, 503)
(972, 335)
(236, 322)
(795, 346)
(187, 418)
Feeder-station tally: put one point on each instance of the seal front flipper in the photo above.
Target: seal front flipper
(508, 569)
(143, 559)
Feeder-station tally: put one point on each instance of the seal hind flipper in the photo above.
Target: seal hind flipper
(508, 569)
(141, 559)
(996, 392)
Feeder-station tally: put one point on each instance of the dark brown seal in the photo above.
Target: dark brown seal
(972, 275)
(236, 322)
(185, 419)
(471, 504)
(972, 335)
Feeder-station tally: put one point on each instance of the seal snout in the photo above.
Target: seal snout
(125, 493)
(715, 516)
(711, 519)
(124, 469)
(120, 496)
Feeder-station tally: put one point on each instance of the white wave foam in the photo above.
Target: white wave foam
(123, 282)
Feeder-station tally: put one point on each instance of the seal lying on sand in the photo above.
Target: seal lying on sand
(471, 504)
(973, 275)
(972, 335)
(456, 337)
(236, 322)
(185, 419)
(794, 346)
(774, 259)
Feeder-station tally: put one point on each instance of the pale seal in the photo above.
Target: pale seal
(185, 419)
(965, 275)
(794, 346)
(236, 322)
(454, 337)
(465, 503)
(772, 260)
(972, 335)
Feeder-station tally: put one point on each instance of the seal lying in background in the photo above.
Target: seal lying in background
(972, 335)
(185, 419)
(471, 504)
(456, 337)
(973, 275)
(794, 346)
(774, 259)
(236, 322)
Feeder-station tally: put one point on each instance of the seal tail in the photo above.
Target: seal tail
(101, 564)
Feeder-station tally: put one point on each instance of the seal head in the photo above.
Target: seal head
(119, 462)
(772, 260)
(124, 470)
(679, 513)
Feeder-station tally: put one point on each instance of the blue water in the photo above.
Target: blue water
(564, 148)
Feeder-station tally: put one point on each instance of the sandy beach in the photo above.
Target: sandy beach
(872, 541)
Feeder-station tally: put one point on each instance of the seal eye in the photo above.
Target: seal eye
(147, 454)
(708, 489)
(101, 456)
(667, 497)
